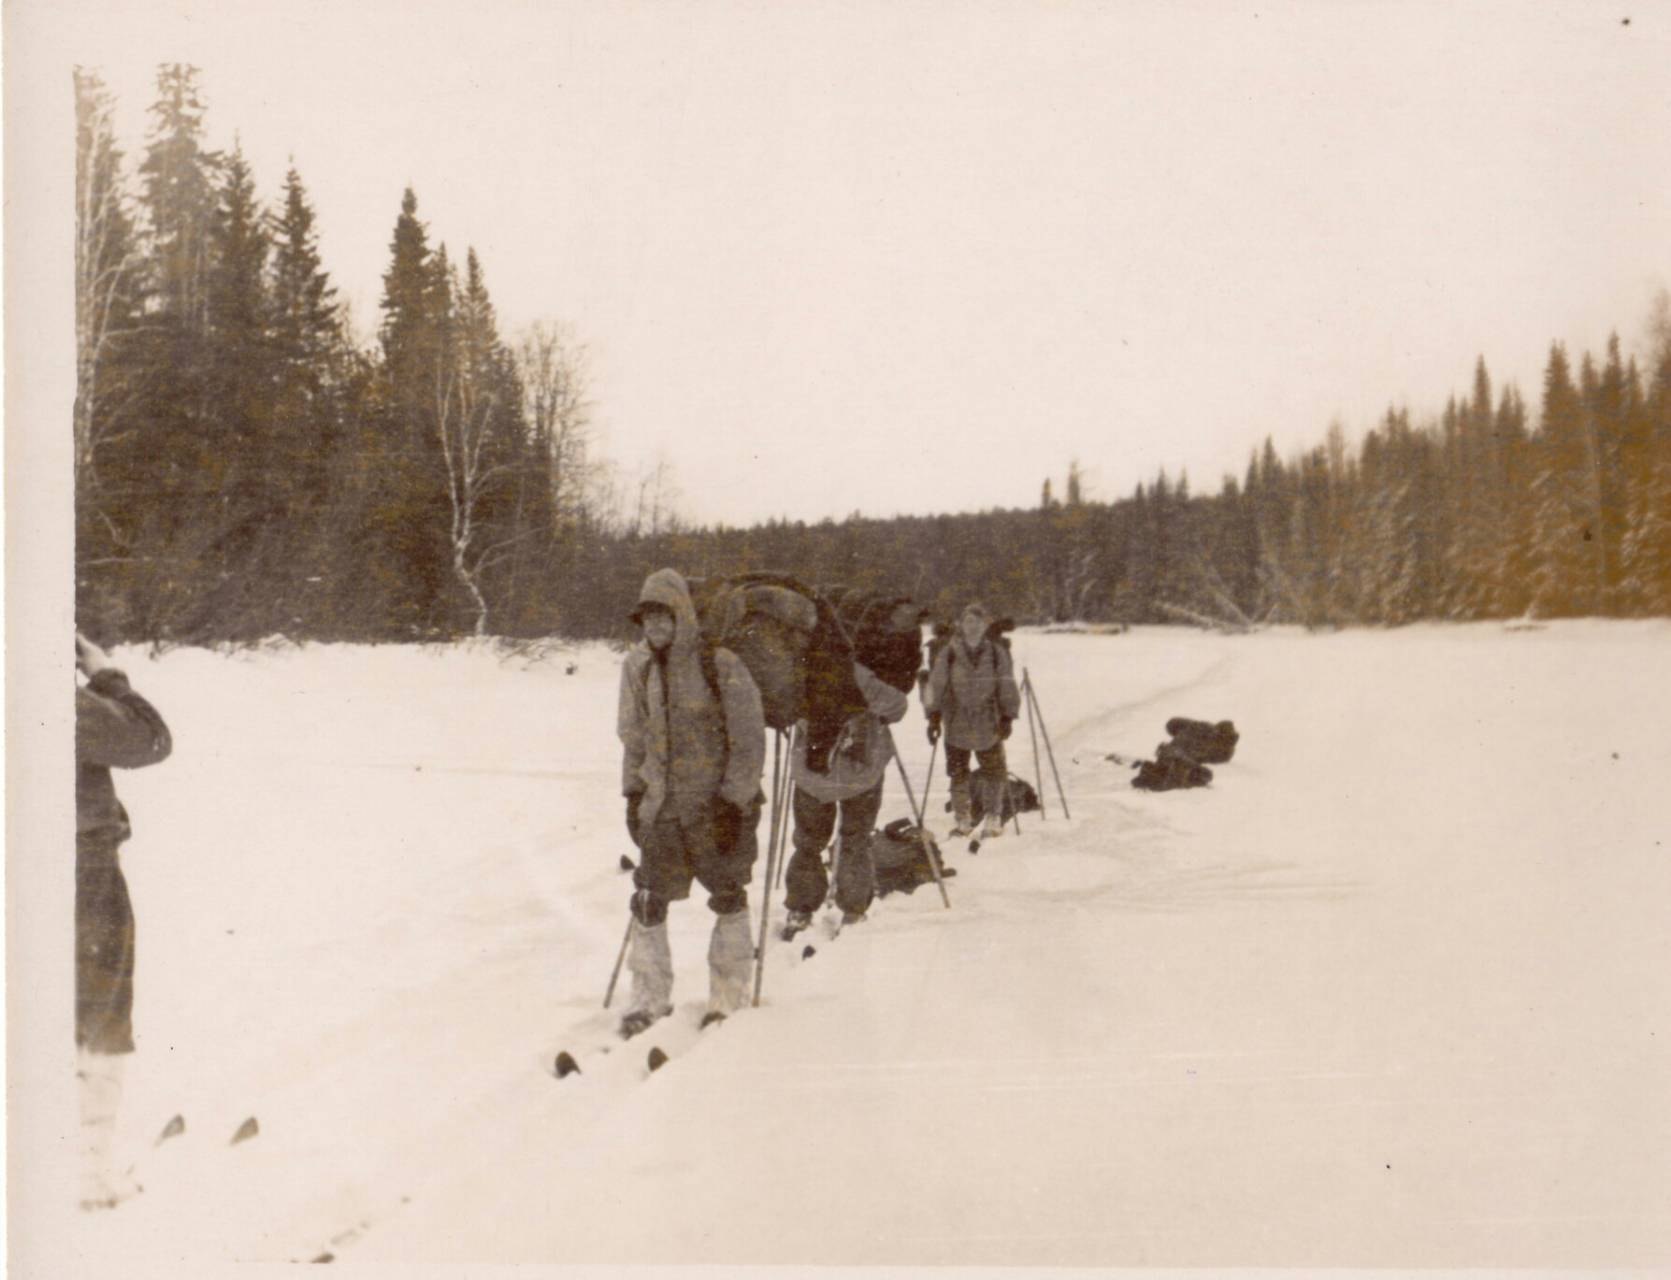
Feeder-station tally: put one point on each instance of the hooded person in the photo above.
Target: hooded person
(851, 782)
(693, 739)
(115, 728)
(971, 697)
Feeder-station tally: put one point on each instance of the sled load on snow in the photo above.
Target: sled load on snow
(1181, 761)
(900, 855)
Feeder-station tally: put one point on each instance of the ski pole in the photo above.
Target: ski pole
(928, 782)
(771, 855)
(626, 938)
(788, 765)
(788, 815)
(1032, 732)
(1049, 750)
(835, 858)
(910, 795)
(774, 846)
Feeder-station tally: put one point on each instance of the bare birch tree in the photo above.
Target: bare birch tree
(552, 369)
(106, 273)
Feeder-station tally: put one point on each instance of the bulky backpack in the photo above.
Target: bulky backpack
(899, 853)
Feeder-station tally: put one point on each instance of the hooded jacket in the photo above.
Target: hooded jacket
(861, 754)
(972, 690)
(681, 746)
(114, 728)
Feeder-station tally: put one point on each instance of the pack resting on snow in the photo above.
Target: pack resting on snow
(899, 853)
(1181, 762)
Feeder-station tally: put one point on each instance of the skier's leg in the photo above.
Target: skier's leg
(806, 880)
(104, 953)
(662, 876)
(99, 1086)
(725, 874)
(957, 769)
(991, 780)
(730, 957)
(856, 878)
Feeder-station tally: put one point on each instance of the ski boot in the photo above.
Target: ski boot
(796, 921)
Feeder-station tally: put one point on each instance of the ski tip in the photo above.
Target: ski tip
(246, 1131)
(565, 1065)
(808, 951)
(327, 1256)
(657, 1059)
(172, 1129)
(627, 864)
(710, 1018)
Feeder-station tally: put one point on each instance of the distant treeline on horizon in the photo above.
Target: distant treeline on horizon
(244, 469)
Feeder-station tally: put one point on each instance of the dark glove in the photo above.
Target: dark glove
(1004, 726)
(933, 727)
(633, 801)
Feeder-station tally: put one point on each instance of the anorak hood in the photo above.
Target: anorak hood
(667, 587)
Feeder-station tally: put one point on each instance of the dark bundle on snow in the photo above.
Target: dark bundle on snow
(899, 852)
(1202, 742)
(1174, 774)
(1182, 762)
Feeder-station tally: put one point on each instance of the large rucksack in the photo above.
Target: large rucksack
(794, 646)
(885, 631)
(899, 853)
(1019, 797)
(1181, 761)
(1202, 742)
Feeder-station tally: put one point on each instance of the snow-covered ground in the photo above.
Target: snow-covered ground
(1395, 990)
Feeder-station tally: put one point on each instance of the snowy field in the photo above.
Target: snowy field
(1395, 990)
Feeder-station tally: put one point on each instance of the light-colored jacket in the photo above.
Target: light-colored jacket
(861, 754)
(680, 745)
(972, 691)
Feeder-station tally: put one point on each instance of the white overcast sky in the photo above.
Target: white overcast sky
(913, 257)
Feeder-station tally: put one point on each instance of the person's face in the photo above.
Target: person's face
(658, 628)
(974, 631)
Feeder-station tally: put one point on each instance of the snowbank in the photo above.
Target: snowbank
(1393, 991)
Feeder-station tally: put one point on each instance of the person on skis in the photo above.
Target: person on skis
(972, 698)
(694, 745)
(852, 784)
(115, 728)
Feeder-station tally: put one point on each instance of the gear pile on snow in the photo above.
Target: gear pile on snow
(1182, 761)
(900, 854)
(1019, 797)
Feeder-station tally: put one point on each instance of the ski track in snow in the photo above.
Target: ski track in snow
(1271, 1022)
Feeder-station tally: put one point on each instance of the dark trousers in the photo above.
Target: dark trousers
(806, 881)
(988, 791)
(683, 844)
(104, 950)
